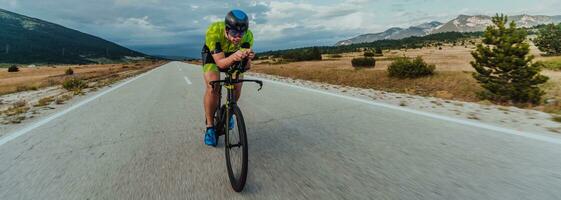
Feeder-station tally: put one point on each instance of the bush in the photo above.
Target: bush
(22, 88)
(410, 68)
(69, 71)
(549, 39)
(368, 54)
(378, 52)
(73, 84)
(13, 68)
(363, 62)
(44, 101)
(336, 56)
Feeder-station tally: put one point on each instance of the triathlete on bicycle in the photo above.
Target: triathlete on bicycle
(222, 49)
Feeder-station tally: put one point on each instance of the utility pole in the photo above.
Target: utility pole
(7, 48)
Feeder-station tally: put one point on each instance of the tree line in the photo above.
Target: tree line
(406, 43)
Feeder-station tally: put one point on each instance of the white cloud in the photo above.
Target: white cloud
(9, 3)
(138, 31)
(212, 18)
(140, 23)
(283, 17)
(135, 2)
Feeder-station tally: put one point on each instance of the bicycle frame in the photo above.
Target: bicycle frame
(232, 78)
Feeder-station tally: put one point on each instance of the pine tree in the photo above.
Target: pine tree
(549, 39)
(316, 54)
(504, 67)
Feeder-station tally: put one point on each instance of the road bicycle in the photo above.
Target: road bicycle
(235, 139)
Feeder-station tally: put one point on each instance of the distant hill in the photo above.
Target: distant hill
(29, 40)
(462, 24)
(173, 57)
(393, 34)
(467, 23)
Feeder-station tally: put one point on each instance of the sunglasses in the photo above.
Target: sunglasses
(235, 33)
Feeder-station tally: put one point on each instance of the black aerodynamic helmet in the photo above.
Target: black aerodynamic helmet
(237, 20)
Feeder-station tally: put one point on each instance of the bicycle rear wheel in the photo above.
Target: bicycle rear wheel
(235, 143)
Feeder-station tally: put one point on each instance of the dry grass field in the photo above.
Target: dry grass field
(33, 94)
(452, 79)
(44, 76)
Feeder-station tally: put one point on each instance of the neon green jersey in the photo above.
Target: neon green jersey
(216, 34)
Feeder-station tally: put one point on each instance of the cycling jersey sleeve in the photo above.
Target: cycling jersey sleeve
(248, 37)
(212, 38)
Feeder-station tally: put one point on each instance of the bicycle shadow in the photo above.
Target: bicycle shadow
(275, 160)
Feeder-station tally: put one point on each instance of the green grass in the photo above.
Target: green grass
(5, 65)
(553, 64)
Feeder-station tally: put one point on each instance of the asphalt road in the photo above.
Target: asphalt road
(144, 141)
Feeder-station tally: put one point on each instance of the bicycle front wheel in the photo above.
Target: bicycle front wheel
(235, 143)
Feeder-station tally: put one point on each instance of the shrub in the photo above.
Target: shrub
(21, 88)
(363, 62)
(556, 118)
(368, 54)
(45, 101)
(69, 71)
(549, 39)
(61, 99)
(13, 68)
(378, 52)
(18, 108)
(410, 68)
(73, 84)
(336, 56)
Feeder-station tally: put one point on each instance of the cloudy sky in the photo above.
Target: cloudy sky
(177, 27)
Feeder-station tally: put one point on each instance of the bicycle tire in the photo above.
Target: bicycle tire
(237, 183)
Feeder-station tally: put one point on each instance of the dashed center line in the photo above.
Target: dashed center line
(187, 80)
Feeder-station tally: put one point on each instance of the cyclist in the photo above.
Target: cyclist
(222, 48)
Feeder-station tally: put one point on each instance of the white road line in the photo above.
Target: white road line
(187, 80)
(536, 136)
(14, 135)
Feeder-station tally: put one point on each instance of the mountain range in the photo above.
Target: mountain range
(25, 39)
(462, 23)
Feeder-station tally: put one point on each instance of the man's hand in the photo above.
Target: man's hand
(238, 56)
(251, 54)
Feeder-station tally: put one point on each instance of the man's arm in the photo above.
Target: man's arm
(224, 62)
